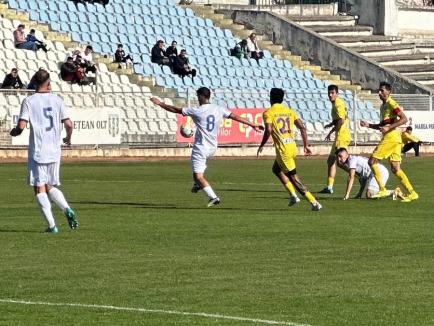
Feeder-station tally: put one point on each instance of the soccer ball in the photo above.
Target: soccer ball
(186, 130)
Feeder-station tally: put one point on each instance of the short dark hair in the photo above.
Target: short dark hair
(14, 69)
(333, 88)
(32, 30)
(409, 128)
(67, 59)
(386, 85)
(183, 50)
(340, 150)
(41, 76)
(160, 41)
(21, 25)
(204, 91)
(276, 95)
(89, 47)
(174, 42)
(120, 45)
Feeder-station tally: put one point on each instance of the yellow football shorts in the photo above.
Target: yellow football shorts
(388, 150)
(339, 144)
(286, 160)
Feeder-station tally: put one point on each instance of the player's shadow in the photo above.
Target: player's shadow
(19, 231)
(132, 204)
(247, 190)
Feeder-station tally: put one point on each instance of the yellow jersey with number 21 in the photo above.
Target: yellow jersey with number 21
(282, 120)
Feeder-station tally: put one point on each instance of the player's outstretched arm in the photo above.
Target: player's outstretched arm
(350, 182)
(366, 124)
(18, 129)
(265, 137)
(299, 124)
(69, 127)
(236, 117)
(167, 107)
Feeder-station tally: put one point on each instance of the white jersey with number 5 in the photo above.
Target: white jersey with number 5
(207, 119)
(45, 112)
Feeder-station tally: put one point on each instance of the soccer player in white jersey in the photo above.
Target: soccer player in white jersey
(45, 112)
(207, 118)
(358, 166)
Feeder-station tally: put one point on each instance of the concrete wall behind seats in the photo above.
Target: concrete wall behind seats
(327, 53)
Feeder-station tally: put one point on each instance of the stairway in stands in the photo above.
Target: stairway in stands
(414, 60)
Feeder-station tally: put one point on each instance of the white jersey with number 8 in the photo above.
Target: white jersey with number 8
(207, 119)
(45, 112)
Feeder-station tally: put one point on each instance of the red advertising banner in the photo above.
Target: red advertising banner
(230, 131)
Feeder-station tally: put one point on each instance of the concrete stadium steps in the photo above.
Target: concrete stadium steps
(342, 31)
(406, 59)
(420, 69)
(367, 41)
(423, 78)
(277, 50)
(378, 51)
(309, 21)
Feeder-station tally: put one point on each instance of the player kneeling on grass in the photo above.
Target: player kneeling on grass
(280, 122)
(358, 166)
(207, 118)
(46, 112)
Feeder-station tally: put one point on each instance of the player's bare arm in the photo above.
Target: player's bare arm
(18, 129)
(350, 182)
(167, 107)
(265, 137)
(402, 120)
(366, 124)
(236, 117)
(69, 127)
(299, 124)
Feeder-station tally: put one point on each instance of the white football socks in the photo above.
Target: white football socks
(57, 197)
(209, 192)
(45, 206)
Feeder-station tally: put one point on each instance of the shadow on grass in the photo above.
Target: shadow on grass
(20, 231)
(247, 190)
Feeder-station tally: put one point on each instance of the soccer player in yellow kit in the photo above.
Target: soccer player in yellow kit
(392, 116)
(280, 122)
(341, 128)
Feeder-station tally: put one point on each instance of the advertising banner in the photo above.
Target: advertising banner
(422, 123)
(230, 131)
(91, 127)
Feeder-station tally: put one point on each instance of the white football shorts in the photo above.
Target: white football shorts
(199, 158)
(372, 183)
(43, 173)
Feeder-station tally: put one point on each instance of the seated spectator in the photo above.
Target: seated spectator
(172, 51)
(240, 50)
(253, 48)
(182, 67)
(85, 60)
(32, 38)
(121, 57)
(410, 141)
(74, 73)
(32, 82)
(12, 80)
(103, 2)
(20, 40)
(158, 54)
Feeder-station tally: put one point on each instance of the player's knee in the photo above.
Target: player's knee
(394, 169)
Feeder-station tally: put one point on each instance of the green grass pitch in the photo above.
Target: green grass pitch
(146, 242)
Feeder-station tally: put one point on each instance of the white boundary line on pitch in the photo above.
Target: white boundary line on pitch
(154, 311)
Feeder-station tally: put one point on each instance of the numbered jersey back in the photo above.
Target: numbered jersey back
(45, 113)
(207, 119)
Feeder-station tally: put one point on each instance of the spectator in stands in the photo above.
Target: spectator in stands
(172, 51)
(253, 47)
(84, 59)
(103, 2)
(240, 50)
(410, 141)
(32, 82)
(182, 67)
(68, 71)
(158, 54)
(121, 57)
(12, 80)
(20, 40)
(32, 38)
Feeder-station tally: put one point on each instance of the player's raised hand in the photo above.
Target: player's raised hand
(364, 123)
(155, 100)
